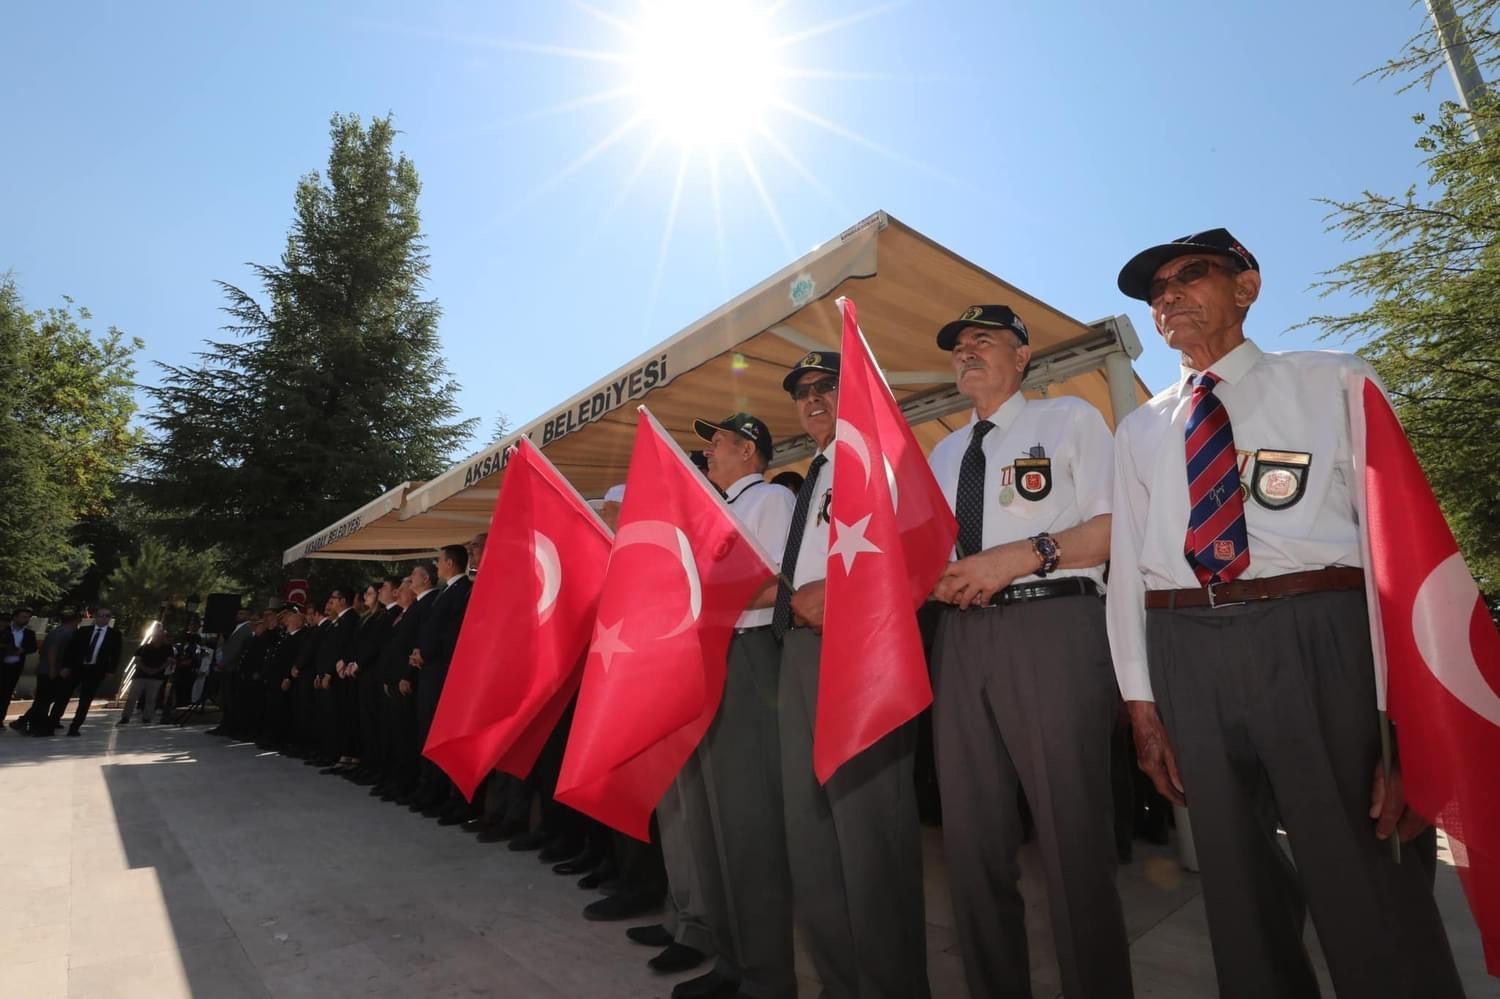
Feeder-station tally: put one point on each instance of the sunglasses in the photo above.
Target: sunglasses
(1191, 274)
(823, 387)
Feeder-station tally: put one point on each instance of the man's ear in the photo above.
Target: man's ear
(1246, 288)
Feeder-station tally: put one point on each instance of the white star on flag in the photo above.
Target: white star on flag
(607, 643)
(852, 541)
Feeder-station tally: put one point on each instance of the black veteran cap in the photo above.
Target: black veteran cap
(741, 424)
(818, 360)
(995, 317)
(1135, 276)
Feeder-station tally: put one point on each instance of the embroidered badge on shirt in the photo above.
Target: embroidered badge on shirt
(1034, 478)
(1278, 479)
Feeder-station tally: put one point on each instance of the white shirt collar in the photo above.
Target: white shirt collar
(1230, 368)
(744, 482)
(1005, 414)
(450, 579)
(423, 594)
(393, 603)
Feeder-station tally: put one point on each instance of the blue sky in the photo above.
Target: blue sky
(154, 148)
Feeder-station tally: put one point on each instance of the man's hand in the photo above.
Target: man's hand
(972, 581)
(339, 668)
(1388, 808)
(415, 659)
(1153, 751)
(807, 606)
(286, 684)
(351, 670)
(405, 687)
(296, 672)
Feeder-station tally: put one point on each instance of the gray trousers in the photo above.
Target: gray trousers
(855, 848)
(741, 764)
(1026, 695)
(1271, 710)
(691, 859)
(146, 690)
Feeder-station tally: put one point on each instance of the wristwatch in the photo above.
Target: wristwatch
(1048, 552)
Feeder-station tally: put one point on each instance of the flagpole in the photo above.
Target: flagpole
(1388, 769)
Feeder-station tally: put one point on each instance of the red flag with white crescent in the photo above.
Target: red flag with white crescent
(680, 573)
(892, 532)
(1436, 651)
(516, 664)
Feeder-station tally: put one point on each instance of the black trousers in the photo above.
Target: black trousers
(86, 683)
(10, 675)
(35, 717)
(368, 695)
(346, 705)
(399, 727)
(435, 784)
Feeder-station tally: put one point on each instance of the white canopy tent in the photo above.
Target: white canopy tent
(905, 285)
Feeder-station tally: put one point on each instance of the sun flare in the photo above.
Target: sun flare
(704, 71)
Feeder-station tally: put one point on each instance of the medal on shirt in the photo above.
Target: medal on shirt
(1034, 475)
(825, 508)
(1278, 479)
(1007, 485)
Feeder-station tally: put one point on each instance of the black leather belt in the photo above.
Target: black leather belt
(1046, 589)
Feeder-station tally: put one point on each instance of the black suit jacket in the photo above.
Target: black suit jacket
(405, 636)
(8, 643)
(83, 641)
(374, 631)
(440, 630)
(290, 651)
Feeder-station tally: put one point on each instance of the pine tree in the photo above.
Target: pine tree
(333, 388)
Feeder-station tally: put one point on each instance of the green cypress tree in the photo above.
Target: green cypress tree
(333, 388)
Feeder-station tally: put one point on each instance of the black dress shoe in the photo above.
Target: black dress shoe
(654, 935)
(526, 842)
(396, 797)
(478, 825)
(454, 817)
(378, 791)
(436, 810)
(494, 834)
(331, 770)
(677, 957)
(73, 732)
(714, 985)
(626, 905)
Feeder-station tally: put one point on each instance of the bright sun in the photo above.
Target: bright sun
(703, 70)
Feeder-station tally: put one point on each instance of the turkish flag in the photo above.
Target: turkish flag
(1436, 651)
(295, 591)
(516, 664)
(892, 532)
(681, 572)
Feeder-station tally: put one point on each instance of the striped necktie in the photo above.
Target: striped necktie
(781, 617)
(1217, 546)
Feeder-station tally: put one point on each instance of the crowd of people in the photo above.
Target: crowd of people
(1234, 639)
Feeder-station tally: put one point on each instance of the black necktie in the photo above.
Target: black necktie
(968, 504)
(781, 617)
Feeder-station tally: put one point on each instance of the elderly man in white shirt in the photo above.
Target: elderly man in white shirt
(1022, 685)
(855, 846)
(1241, 642)
(722, 828)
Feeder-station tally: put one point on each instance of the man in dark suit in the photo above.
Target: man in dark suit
(93, 654)
(284, 659)
(231, 683)
(17, 641)
(307, 686)
(399, 681)
(333, 660)
(374, 633)
(436, 795)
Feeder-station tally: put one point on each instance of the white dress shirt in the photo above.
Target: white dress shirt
(765, 510)
(1071, 433)
(1284, 402)
(18, 636)
(812, 557)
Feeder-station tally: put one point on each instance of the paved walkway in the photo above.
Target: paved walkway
(160, 862)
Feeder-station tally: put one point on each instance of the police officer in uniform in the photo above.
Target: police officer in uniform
(1023, 689)
(1238, 623)
(854, 843)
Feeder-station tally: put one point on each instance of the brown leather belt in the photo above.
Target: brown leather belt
(1244, 591)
